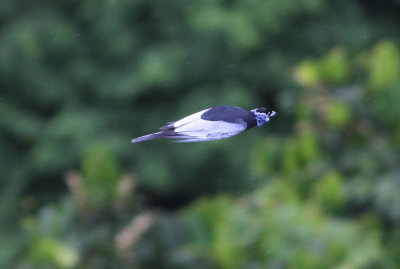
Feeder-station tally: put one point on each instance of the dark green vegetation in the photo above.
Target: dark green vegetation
(317, 187)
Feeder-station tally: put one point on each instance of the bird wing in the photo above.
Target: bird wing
(197, 129)
(185, 120)
(191, 118)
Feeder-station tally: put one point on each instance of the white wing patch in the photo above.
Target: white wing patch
(189, 119)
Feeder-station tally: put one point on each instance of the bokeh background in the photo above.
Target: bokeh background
(317, 187)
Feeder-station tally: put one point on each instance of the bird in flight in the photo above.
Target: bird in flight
(212, 124)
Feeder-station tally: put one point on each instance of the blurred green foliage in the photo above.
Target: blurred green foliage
(100, 177)
(273, 228)
(317, 187)
(383, 64)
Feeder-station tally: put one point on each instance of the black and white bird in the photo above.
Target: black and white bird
(212, 124)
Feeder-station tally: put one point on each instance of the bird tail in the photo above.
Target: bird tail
(148, 137)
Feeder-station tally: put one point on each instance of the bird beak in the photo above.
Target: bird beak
(272, 113)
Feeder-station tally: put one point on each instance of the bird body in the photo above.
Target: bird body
(211, 124)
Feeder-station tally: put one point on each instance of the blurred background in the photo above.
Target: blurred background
(317, 187)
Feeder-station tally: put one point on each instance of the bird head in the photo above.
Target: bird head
(262, 115)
